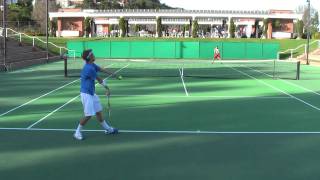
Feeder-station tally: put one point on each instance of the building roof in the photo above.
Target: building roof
(176, 13)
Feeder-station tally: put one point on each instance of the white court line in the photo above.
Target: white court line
(41, 96)
(71, 100)
(287, 82)
(38, 98)
(52, 112)
(164, 132)
(170, 96)
(184, 85)
(275, 88)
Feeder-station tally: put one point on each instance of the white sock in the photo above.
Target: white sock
(106, 126)
(79, 129)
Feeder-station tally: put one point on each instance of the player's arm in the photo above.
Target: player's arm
(104, 84)
(99, 80)
(110, 73)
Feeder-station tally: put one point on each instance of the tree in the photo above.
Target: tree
(53, 26)
(39, 13)
(87, 4)
(87, 26)
(265, 27)
(232, 29)
(300, 26)
(111, 27)
(304, 10)
(195, 29)
(137, 28)
(122, 26)
(257, 28)
(19, 12)
(315, 23)
(145, 4)
(108, 4)
(159, 27)
(276, 24)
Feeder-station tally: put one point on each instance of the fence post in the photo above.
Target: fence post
(20, 37)
(291, 52)
(305, 49)
(60, 51)
(33, 41)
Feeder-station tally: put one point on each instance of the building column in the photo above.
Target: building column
(191, 26)
(269, 34)
(127, 28)
(59, 24)
(157, 35)
(229, 24)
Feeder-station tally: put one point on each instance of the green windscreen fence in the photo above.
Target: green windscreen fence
(164, 50)
(176, 49)
(206, 49)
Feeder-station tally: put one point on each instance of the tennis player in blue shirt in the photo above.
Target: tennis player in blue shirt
(90, 101)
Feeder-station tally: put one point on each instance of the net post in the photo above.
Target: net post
(65, 59)
(298, 70)
(74, 54)
(274, 69)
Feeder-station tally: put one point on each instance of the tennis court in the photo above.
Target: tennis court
(192, 121)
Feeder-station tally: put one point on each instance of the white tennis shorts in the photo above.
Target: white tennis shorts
(91, 104)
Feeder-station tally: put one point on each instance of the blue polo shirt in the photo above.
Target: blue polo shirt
(88, 77)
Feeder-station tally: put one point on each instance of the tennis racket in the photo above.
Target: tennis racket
(109, 108)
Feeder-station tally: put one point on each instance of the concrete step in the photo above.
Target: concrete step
(24, 49)
(315, 57)
(23, 55)
(26, 56)
(316, 52)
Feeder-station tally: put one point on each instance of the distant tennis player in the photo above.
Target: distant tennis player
(216, 55)
(90, 101)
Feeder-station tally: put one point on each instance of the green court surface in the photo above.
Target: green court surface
(199, 126)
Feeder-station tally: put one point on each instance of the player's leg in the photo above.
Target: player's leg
(78, 134)
(214, 58)
(98, 108)
(87, 102)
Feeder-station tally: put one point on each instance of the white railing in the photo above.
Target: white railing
(34, 38)
(299, 47)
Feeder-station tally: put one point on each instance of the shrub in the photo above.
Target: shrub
(232, 29)
(195, 29)
(122, 26)
(316, 35)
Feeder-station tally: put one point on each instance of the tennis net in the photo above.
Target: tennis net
(222, 69)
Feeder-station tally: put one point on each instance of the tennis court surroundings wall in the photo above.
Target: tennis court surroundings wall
(176, 49)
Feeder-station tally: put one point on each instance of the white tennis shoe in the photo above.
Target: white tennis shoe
(78, 136)
(112, 131)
